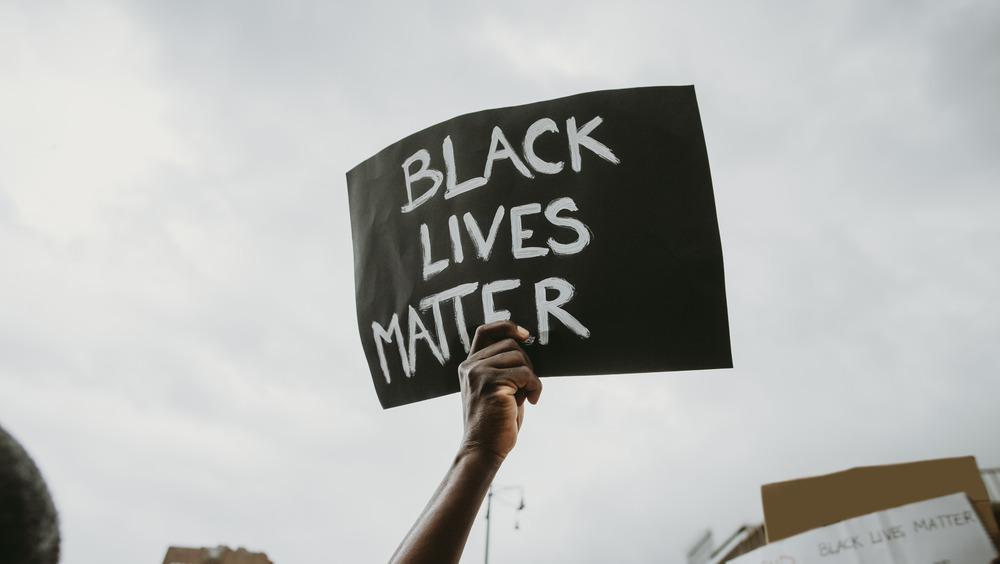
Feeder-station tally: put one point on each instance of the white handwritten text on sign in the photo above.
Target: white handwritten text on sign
(546, 308)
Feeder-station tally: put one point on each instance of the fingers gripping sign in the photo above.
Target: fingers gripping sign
(496, 379)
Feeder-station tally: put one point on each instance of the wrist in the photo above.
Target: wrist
(476, 454)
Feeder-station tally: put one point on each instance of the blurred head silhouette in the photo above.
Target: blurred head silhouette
(29, 526)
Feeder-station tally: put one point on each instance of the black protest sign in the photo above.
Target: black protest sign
(588, 220)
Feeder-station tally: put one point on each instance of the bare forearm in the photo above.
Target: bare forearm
(440, 533)
(496, 380)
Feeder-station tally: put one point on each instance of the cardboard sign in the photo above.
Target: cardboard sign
(799, 505)
(944, 529)
(589, 220)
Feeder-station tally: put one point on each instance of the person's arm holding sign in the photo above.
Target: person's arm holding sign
(496, 379)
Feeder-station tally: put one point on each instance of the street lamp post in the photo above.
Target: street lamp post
(489, 503)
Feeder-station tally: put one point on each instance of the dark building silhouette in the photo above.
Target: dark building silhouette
(744, 540)
(216, 555)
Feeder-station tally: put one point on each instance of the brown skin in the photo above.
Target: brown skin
(496, 379)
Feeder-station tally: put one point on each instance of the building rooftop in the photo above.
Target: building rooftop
(214, 555)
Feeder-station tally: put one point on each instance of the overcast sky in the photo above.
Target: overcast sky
(178, 338)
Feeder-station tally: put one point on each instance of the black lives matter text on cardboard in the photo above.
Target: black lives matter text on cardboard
(589, 220)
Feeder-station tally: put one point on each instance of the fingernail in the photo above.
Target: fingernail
(522, 332)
